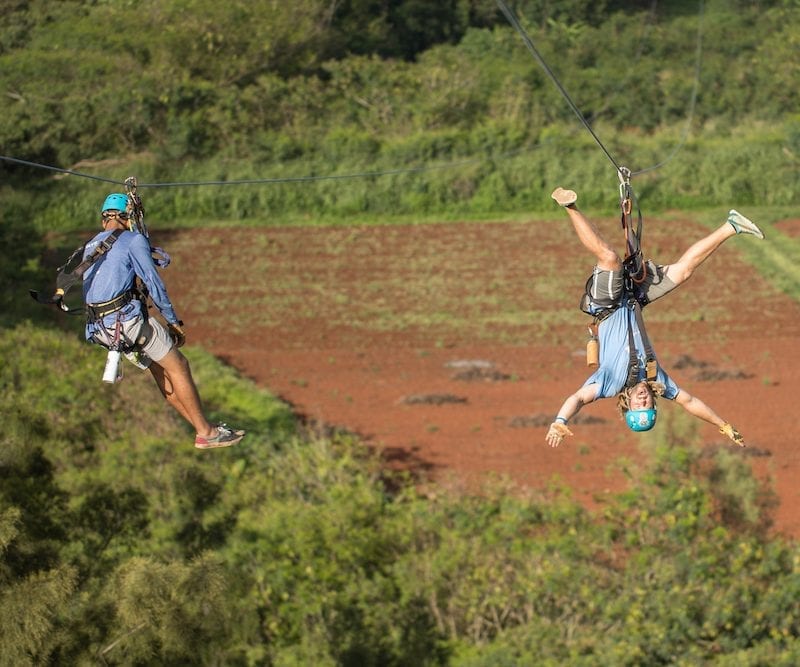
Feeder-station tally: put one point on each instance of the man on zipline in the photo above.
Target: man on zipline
(118, 318)
(610, 298)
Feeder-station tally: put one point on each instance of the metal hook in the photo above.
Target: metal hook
(130, 185)
(624, 175)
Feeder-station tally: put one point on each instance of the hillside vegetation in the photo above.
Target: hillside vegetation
(447, 100)
(121, 544)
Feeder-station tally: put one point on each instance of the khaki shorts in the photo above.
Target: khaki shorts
(154, 349)
(604, 288)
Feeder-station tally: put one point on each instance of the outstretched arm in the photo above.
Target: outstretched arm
(558, 429)
(694, 406)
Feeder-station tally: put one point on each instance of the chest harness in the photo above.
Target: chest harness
(634, 292)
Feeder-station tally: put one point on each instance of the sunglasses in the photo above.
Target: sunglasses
(122, 215)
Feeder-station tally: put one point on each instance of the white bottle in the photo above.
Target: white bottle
(112, 374)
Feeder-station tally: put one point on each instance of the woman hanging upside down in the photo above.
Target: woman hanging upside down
(610, 298)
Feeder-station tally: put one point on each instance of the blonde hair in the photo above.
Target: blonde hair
(623, 398)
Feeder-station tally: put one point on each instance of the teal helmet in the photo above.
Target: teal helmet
(115, 202)
(641, 420)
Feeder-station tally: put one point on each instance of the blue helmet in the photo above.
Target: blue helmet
(640, 420)
(115, 202)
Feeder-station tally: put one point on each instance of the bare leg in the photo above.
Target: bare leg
(698, 253)
(589, 236)
(174, 379)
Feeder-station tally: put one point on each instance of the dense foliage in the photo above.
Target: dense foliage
(199, 90)
(119, 543)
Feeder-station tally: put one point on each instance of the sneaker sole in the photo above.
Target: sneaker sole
(218, 445)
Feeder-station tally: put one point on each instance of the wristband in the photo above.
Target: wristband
(562, 420)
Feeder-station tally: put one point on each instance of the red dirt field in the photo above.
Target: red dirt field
(451, 346)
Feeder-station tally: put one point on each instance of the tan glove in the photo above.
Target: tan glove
(556, 433)
(732, 433)
(177, 334)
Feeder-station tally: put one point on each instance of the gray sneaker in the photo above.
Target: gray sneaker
(564, 197)
(224, 437)
(744, 226)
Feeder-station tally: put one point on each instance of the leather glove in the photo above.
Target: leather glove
(556, 433)
(177, 334)
(732, 433)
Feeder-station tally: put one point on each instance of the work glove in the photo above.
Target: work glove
(160, 257)
(556, 433)
(177, 334)
(732, 433)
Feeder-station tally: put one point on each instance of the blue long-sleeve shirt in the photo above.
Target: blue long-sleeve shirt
(115, 273)
(615, 356)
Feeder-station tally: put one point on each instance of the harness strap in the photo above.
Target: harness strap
(651, 365)
(102, 248)
(67, 279)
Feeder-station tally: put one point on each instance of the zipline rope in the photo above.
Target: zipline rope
(59, 170)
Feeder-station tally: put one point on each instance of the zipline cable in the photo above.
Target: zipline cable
(285, 179)
(250, 181)
(59, 170)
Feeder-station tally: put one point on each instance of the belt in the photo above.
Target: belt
(97, 311)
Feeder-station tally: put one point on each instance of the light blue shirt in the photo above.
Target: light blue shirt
(615, 356)
(115, 272)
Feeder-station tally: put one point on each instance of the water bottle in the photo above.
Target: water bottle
(112, 372)
(592, 350)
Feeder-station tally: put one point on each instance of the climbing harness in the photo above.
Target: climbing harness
(634, 268)
(633, 297)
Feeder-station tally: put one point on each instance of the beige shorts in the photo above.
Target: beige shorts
(154, 349)
(604, 288)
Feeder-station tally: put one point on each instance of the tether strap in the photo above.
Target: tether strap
(66, 279)
(102, 248)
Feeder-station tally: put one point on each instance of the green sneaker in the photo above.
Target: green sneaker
(744, 226)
